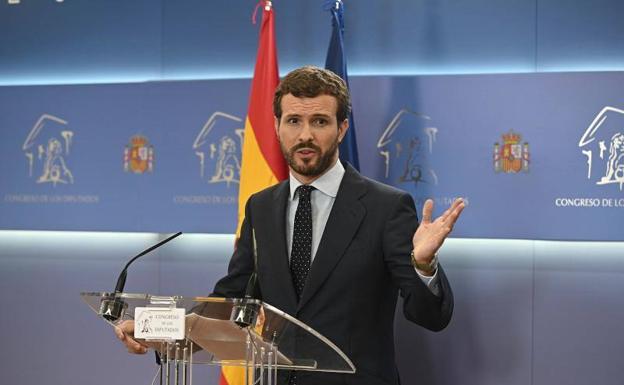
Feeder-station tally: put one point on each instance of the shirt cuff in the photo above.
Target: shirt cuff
(433, 282)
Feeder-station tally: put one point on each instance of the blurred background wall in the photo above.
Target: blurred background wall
(527, 311)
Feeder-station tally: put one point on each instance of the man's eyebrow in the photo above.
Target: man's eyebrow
(313, 116)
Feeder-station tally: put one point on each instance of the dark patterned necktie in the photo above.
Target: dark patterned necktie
(301, 252)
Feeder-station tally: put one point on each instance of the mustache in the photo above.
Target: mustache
(305, 145)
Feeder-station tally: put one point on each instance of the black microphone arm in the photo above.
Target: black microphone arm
(245, 312)
(121, 281)
(251, 284)
(112, 307)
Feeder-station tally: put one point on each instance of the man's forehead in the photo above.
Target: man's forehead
(321, 104)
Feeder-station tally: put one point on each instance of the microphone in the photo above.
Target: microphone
(245, 312)
(251, 284)
(112, 307)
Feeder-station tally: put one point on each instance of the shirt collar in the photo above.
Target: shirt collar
(328, 183)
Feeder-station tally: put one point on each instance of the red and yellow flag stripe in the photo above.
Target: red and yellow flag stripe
(262, 163)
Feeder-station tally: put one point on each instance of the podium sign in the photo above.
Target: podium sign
(158, 323)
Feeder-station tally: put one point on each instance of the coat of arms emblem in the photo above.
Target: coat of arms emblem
(139, 155)
(511, 156)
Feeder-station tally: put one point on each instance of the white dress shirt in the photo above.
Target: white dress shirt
(322, 200)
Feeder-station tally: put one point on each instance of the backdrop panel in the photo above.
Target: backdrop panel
(533, 154)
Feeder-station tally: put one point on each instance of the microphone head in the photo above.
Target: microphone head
(112, 308)
(245, 312)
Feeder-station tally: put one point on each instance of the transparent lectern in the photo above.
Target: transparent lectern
(235, 332)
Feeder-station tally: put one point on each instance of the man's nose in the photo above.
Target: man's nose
(306, 133)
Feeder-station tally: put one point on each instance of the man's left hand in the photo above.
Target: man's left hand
(430, 235)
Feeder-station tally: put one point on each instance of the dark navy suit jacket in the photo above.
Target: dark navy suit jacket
(361, 266)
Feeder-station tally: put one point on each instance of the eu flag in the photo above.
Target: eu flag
(337, 63)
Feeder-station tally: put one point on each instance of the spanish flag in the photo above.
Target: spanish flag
(337, 63)
(262, 163)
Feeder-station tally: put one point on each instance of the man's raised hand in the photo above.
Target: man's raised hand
(431, 234)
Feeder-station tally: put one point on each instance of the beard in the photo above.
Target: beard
(314, 166)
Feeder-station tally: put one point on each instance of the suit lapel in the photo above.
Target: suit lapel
(279, 254)
(344, 220)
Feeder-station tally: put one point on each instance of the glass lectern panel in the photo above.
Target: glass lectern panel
(285, 342)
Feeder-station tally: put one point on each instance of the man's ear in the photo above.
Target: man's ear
(342, 129)
(276, 125)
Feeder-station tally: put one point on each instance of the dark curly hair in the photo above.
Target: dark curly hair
(309, 82)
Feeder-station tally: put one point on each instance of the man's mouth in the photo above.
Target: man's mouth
(306, 152)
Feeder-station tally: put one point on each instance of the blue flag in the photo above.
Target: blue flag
(337, 63)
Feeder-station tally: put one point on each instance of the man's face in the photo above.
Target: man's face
(309, 134)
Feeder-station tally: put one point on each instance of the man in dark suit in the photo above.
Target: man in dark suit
(335, 249)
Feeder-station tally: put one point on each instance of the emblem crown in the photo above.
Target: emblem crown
(138, 141)
(511, 138)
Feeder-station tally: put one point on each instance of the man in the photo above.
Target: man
(336, 252)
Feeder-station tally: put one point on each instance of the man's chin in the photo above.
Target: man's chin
(307, 170)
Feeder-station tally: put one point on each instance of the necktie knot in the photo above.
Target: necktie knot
(305, 191)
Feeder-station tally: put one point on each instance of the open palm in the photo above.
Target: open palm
(430, 235)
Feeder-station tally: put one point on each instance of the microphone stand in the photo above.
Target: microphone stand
(112, 308)
(245, 312)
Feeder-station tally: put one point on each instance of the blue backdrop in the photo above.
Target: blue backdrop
(531, 153)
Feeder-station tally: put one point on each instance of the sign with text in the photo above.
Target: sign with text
(159, 323)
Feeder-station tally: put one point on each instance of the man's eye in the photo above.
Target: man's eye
(320, 121)
(292, 120)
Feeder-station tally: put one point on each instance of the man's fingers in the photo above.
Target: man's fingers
(457, 207)
(124, 332)
(126, 326)
(120, 334)
(451, 213)
(136, 349)
(135, 346)
(427, 211)
(445, 215)
(447, 220)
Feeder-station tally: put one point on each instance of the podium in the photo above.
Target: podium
(221, 331)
